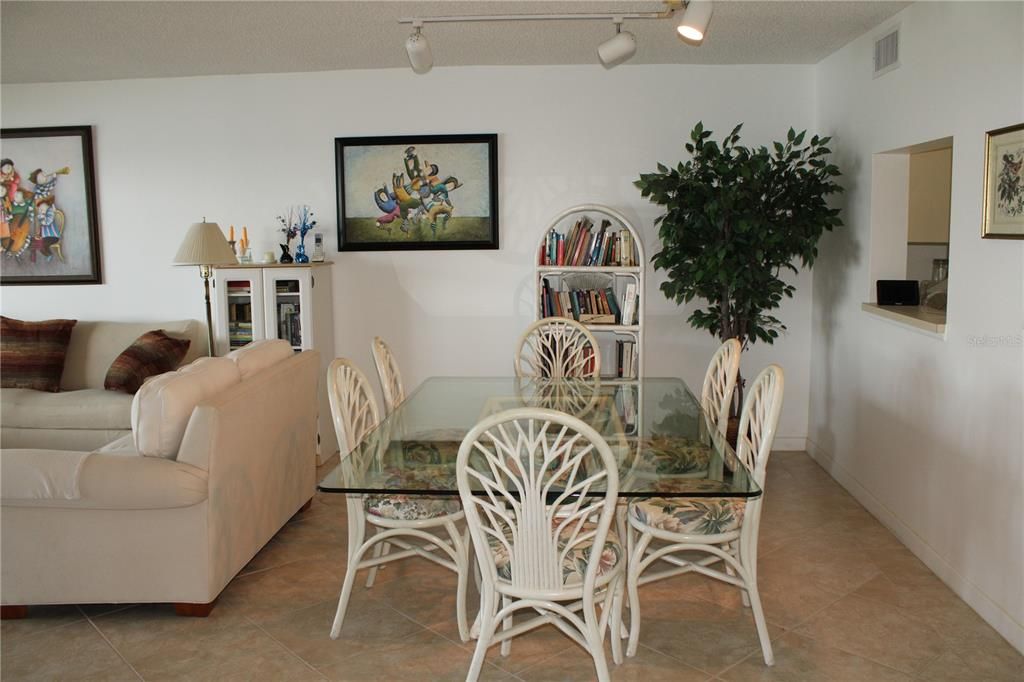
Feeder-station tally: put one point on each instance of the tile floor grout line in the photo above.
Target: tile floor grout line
(461, 644)
(859, 655)
(285, 647)
(111, 644)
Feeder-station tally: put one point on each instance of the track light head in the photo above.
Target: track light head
(695, 21)
(618, 48)
(420, 58)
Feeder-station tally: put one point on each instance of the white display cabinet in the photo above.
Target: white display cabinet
(275, 301)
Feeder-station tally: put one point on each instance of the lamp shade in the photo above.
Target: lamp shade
(204, 244)
(695, 20)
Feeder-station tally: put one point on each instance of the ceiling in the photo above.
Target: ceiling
(80, 41)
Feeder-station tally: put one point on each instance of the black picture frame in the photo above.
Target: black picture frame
(435, 222)
(44, 254)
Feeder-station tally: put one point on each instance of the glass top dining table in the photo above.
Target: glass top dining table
(654, 426)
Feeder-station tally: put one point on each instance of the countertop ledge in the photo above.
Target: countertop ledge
(917, 317)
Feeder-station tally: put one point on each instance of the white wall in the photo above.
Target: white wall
(239, 149)
(929, 432)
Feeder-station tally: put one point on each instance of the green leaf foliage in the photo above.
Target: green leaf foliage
(735, 217)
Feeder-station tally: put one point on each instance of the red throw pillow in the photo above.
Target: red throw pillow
(151, 354)
(32, 353)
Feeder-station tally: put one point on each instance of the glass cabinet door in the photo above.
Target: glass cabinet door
(239, 308)
(287, 306)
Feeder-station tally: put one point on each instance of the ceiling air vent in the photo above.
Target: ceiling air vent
(887, 52)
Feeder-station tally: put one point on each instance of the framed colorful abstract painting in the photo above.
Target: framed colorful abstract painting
(417, 192)
(49, 232)
(1004, 184)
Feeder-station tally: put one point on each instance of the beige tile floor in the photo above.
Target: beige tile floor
(844, 599)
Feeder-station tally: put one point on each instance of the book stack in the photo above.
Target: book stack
(590, 306)
(239, 333)
(288, 324)
(627, 359)
(586, 245)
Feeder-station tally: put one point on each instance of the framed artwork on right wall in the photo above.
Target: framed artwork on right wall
(1004, 184)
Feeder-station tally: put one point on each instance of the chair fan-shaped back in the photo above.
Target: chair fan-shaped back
(759, 419)
(389, 374)
(554, 348)
(353, 406)
(545, 476)
(719, 384)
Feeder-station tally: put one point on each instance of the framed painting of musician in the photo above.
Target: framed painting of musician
(49, 232)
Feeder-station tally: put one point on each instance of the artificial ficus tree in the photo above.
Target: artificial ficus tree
(735, 218)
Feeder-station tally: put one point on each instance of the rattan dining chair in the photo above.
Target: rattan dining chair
(557, 347)
(389, 375)
(720, 383)
(395, 520)
(726, 528)
(541, 531)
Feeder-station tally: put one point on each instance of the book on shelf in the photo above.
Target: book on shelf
(586, 246)
(626, 360)
(591, 306)
(629, 304)
(625, 399)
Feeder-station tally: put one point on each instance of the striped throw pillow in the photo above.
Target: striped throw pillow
(151, 354)
(32, 353)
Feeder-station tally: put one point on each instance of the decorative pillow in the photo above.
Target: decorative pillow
(258, 355)
(151, 354)
(163, 406)
(32, 353)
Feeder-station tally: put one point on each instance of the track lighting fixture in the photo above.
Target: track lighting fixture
(418, 49)
(618, 48)
(695, 20)
(614, 51)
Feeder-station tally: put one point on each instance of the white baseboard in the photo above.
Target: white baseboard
(781, 443)
(975, 597)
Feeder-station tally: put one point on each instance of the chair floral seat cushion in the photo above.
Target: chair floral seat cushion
(411, 507)
(673, 455)
(690, 515)
(574, 564)
(400, 507)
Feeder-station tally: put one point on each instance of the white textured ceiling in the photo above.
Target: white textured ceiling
(78, 41)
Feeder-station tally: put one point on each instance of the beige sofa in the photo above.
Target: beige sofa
(83, 415)
(177, 523)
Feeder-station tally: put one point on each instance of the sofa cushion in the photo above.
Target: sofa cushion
(253, 357)
(162, 407)
(103, 481)
(94, 345)
(151, 354)
(87, 409)
(32, 353)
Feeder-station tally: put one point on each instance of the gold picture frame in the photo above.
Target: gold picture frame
(1003, 198)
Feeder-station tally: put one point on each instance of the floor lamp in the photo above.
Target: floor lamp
(205, 246)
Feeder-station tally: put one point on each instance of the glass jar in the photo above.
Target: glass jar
(940, 269)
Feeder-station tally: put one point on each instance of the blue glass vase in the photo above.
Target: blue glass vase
(300, 253)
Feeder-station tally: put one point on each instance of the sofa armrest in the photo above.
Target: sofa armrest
(257, 441)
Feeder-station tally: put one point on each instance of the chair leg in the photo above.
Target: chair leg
(381, 550)
(506, 646)
(595, 642)
(350, 577)
(633, 587)
(487, 625)
(461, 544)
(618, 588)
(748, 560)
